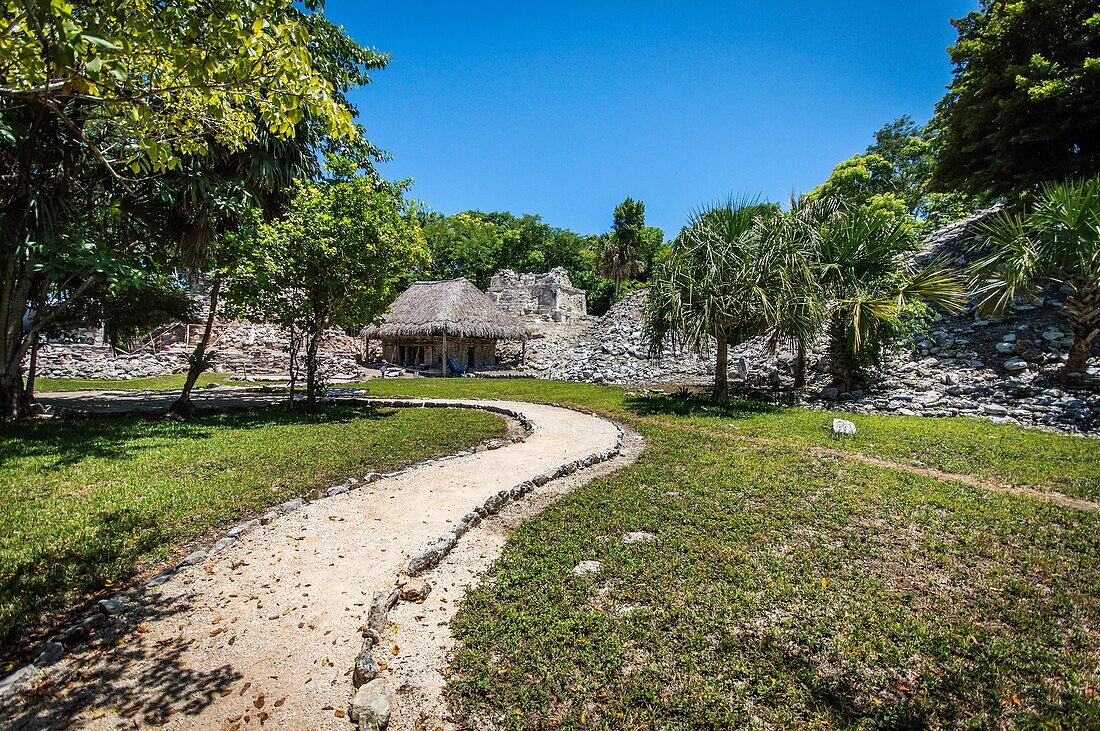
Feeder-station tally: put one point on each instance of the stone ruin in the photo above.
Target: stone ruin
(551, 295)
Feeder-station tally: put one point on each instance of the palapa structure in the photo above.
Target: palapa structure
(434, 321)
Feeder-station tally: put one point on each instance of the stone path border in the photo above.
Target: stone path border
(367, 685)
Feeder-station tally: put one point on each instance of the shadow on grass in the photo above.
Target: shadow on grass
(687, 406)
(61, 576)
(120, 671)
(68, 441)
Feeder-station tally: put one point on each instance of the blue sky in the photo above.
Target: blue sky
(564, 109)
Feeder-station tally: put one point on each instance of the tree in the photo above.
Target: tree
(1056, 242)
(720, 280)
(869, 289)
(93, 99)
(334, 260)
(620, 259)
(1023, 107)
(894, 175)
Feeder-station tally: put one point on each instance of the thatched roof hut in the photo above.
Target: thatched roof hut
(433, 321)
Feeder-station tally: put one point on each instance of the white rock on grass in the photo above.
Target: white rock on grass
(843, 426)
(587, 567)
(638, 537)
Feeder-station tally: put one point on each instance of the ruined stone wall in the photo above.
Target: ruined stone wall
(551, 295)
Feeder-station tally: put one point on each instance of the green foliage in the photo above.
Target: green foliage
(893, 176)
(333, 260)
(864, 284)
(1057, 242)
(1024, 105)
(131, 310)
(623, 251)
(719, 280)
(476, 245)
(245, 67)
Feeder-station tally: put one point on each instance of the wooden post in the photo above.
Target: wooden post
(445, 354)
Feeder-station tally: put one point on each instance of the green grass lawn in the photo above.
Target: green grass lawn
(171, 382)
(87, 504)
(791, 587)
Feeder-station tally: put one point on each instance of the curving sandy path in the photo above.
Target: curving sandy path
(267, 630)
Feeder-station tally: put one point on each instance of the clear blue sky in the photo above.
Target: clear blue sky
(566, 108)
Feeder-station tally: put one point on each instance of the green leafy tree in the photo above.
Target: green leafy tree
(333, 260)
(95, 97)
(1024, 105)
(1057, 242)
(464, 245)
(621, 257)
(719, 281)
(869, 289)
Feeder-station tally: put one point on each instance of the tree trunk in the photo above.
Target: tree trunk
(840, 356)
(721, 393)
(800, 365)
(295, 346)
(183, 407)
(1083, 311)
(311, 369)
(32, 372)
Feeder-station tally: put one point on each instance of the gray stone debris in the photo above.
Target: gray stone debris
(638, 537)
(371, 704)
(587, 567)
(51, 653)
(241, 528)
(843, 426)
(194, 558)
(366, 669)
(383, 603)
(112, 605)
(12, 681)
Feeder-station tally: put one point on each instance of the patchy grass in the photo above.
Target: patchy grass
(87, 504)
(790, 588)
(171, 382)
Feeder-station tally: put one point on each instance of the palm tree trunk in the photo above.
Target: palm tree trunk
(800, 365)
(840, 356)
(721, 393)
(183, 406)
(1083, 311)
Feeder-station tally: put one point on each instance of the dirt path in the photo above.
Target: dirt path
(267, 630)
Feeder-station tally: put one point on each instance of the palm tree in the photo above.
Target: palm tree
(620, 258)
(870, 286)
(1057, 242)
(719, 281)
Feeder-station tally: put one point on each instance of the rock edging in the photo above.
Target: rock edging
(366, 672)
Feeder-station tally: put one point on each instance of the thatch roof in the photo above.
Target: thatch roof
(454, 307)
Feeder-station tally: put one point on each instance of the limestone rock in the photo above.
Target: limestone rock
(371, 704)
(843, 426)
(587, 567)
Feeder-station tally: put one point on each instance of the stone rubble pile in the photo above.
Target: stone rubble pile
(611, 349)
(243, 349)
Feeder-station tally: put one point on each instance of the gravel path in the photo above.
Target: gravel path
(267, 630)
